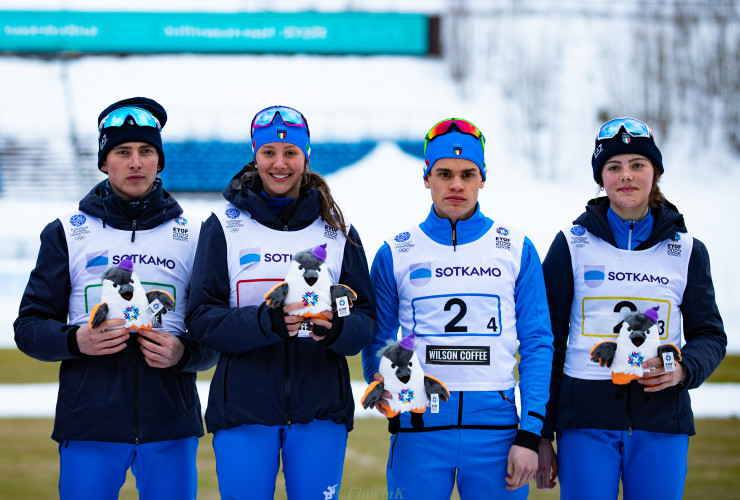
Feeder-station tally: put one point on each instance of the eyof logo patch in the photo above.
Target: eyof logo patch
(502, 231)
(180, 220)
(282, 134)
(232, 213)
(457, 150)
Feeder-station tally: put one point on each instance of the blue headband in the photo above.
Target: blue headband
(455, 145)
(278, 131)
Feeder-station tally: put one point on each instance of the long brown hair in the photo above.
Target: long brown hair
(328, 208)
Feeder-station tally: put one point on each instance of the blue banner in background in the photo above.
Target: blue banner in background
(238, 33)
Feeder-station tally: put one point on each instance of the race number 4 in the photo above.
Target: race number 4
(457, 315)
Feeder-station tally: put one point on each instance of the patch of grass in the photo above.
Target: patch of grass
(727, 371)
(29, 463)
(17, 368)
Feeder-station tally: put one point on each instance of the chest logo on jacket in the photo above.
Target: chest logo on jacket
(234, 224)
(330, 232)
(97, 262)
(402, 243)
(502, 241)
(420, 273)
(79, 228)
(249, 258)
(180, 232)
(578, 240)
(593, 276)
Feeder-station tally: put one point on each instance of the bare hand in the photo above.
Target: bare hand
(547, 471)
(293, 323)
(108, 338)
(160, 349)
(521, 467)
(382, 407)
(658, 379)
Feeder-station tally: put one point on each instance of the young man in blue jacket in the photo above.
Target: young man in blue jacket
(471, 292)
(126, 399)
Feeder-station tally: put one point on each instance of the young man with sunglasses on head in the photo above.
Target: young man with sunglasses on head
(471, 291)
(126, 399)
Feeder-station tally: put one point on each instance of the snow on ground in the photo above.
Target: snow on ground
(39, 400)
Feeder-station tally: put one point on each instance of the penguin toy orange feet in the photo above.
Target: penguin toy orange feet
(404, 378)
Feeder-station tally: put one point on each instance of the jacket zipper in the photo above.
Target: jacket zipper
(133, 230)
(136, 399)
(226, 380)
(454, 236)
(629, 239)
(460, 410)
(288, 415)
(629, 409)
(287, 384)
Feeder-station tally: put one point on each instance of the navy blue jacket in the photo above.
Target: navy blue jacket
(264, 377)
(600, 404)
(119, 398)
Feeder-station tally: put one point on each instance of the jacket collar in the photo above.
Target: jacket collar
(103, 203)
(302, 212)
(465, 231)
(667, 221)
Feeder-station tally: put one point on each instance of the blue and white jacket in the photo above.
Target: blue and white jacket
(116, 397)
(485, 399)
(263, 376)
(600, 404)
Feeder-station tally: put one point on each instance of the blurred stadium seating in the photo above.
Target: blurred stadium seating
(208, 166)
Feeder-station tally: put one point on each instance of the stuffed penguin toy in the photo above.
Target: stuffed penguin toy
(404, 378)
(308, 281)
(124, 297)
(637, 342)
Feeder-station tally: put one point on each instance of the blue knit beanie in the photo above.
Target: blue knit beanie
(455, 144)
(278, 131)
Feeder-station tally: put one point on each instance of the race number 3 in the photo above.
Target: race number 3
(602, 316)
(457, 315)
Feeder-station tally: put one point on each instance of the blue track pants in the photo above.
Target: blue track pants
(248, 459)
(650, 464)
(425, 465)
(164, 470)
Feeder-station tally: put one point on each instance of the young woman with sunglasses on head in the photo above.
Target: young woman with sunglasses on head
(627, 258)
(278, 392)
(469, 291)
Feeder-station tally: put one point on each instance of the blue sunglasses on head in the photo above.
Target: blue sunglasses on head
(632, 126)
(290, 116)
(131, 115)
